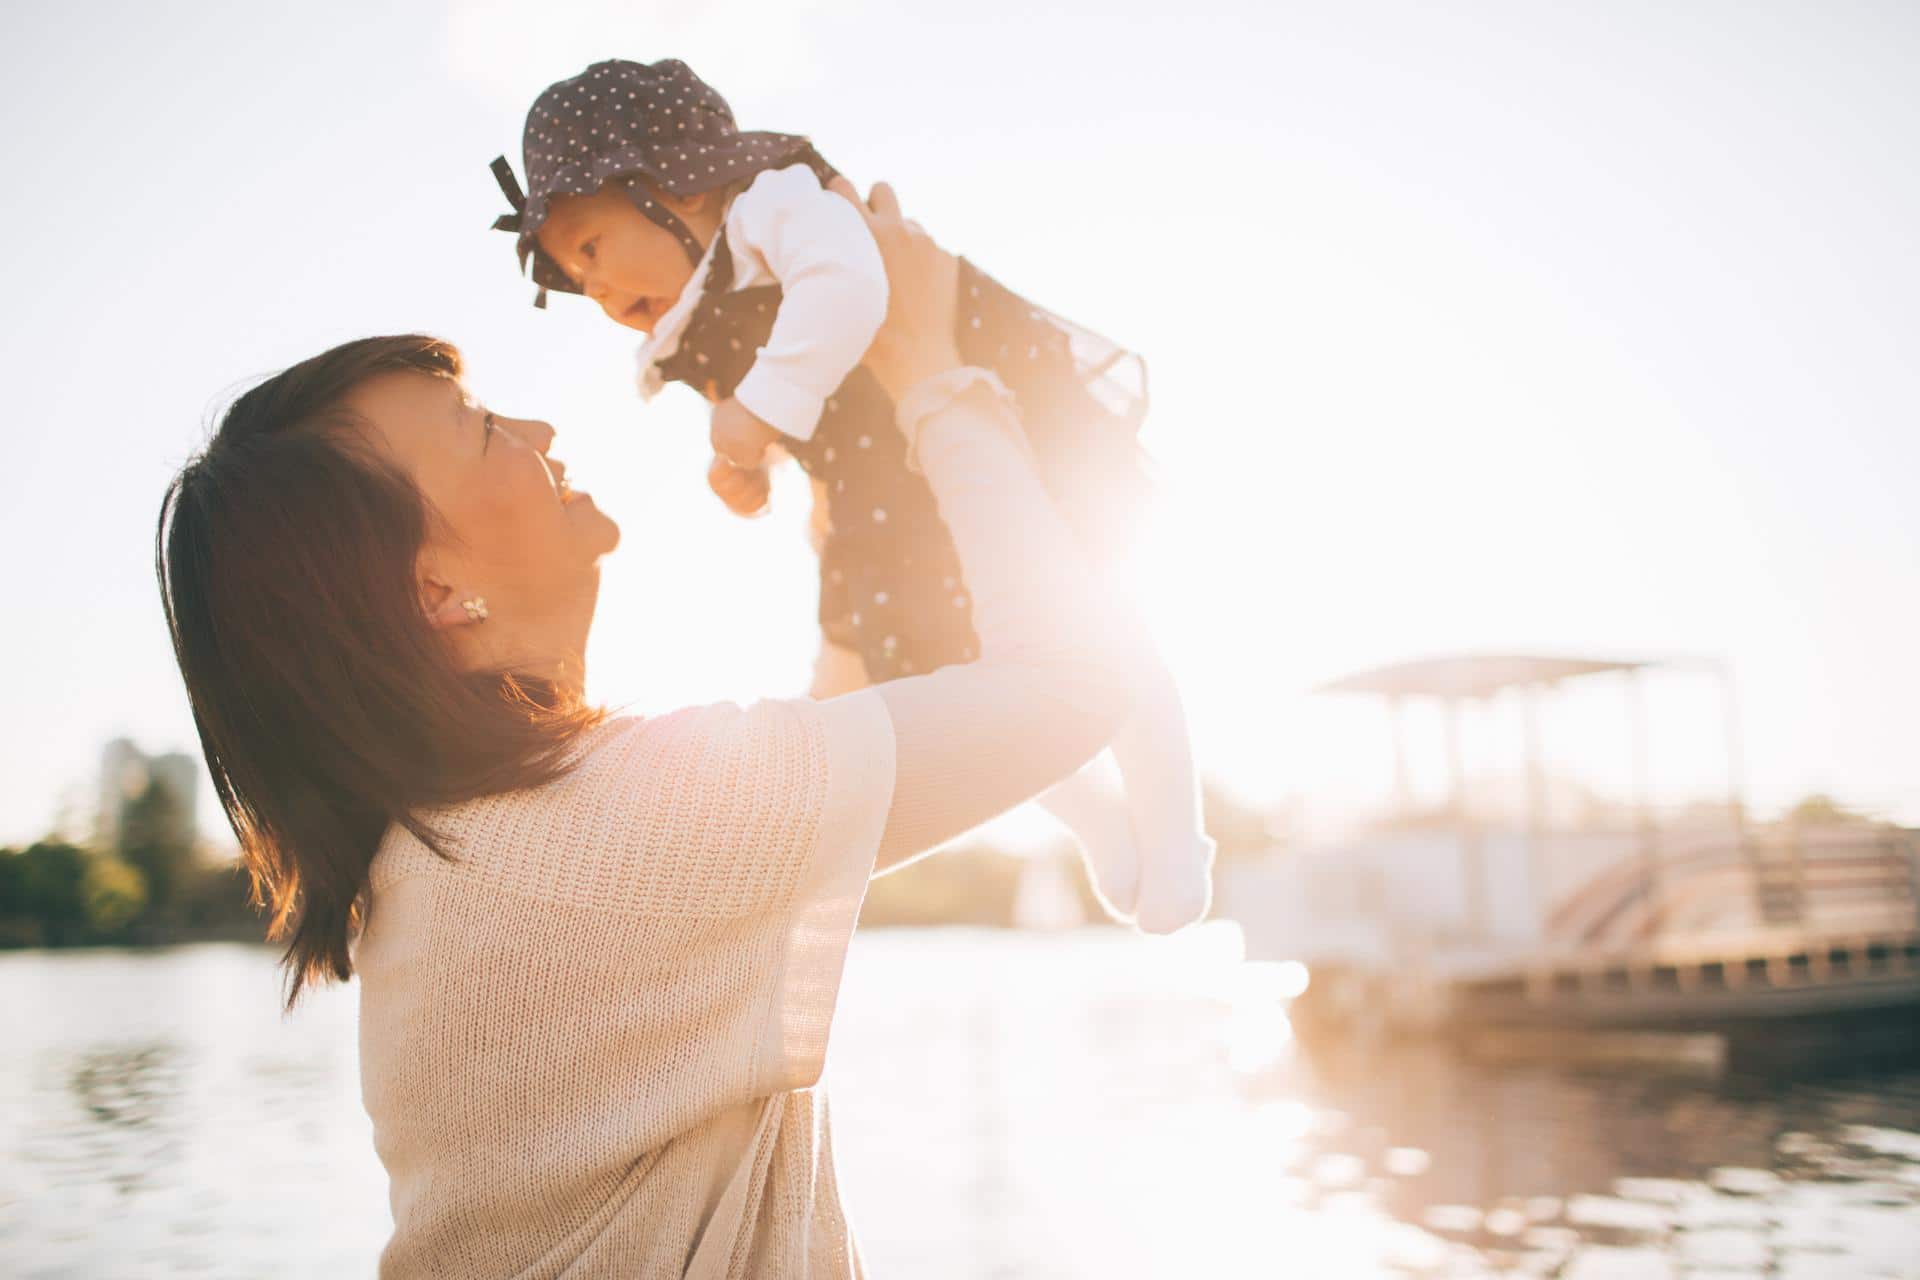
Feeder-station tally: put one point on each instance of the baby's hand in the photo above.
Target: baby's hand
(739, 435)
(744, 489)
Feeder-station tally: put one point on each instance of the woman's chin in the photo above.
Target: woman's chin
(598, 529)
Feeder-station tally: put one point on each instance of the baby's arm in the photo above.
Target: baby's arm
(834, 296)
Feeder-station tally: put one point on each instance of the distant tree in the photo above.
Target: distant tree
(112, 893)
(973, 885)
(215, 902)
(1820, 810)
(16, 930)
(155, 841)
(43, 893)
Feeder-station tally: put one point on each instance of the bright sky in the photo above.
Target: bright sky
(1472, 327)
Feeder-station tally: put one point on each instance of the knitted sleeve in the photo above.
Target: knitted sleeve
(855, 736)
(750, 834)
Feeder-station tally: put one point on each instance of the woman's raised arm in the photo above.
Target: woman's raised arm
(1051, 684)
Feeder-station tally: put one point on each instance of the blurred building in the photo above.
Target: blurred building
(126, 772)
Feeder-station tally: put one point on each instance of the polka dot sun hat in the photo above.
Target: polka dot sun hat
(651, 127)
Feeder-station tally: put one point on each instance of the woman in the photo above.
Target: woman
(598, 956)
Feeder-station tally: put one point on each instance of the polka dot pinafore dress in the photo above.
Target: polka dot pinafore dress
(891, 587)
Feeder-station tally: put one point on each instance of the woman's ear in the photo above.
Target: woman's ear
(445, 607)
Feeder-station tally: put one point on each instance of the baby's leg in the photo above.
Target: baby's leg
(1163, 799)
(1093, 806)
(836, 670)
(1091, 802)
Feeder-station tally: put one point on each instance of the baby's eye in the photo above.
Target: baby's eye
(588, 250)
(486, 437)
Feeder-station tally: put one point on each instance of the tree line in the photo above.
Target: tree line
(150, 885)
(147, 885)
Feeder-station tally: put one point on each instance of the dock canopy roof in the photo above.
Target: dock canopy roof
(1473, 677)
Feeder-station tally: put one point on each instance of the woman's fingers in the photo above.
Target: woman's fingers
(883, 202)
(847, 191)
(916, 338)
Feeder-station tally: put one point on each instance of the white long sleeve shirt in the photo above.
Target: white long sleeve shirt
(787, 229)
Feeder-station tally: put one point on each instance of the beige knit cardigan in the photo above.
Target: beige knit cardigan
(589, 1041)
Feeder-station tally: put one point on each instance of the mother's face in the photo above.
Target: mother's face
(506, 524)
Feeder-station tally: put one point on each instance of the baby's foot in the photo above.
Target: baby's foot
(1114, 865)
(1176, 885)
(1092, 807)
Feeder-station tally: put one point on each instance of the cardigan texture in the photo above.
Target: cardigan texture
(611, 1005)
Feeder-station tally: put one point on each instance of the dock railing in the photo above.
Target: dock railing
(1831, 877)
(1786, 879)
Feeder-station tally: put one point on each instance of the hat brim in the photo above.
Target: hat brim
(687, 171)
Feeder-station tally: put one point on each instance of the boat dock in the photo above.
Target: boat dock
(1472, 926)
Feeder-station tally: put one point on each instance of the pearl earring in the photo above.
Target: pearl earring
(476, 608)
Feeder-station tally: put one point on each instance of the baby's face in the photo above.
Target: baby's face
(619, 257)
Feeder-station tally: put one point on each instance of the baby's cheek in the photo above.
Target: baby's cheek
(615, 309)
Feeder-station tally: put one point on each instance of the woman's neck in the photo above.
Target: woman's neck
(558, 660)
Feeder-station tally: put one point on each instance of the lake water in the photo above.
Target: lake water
(1006, 1105)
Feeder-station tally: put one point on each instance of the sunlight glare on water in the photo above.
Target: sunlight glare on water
(1087, 1104)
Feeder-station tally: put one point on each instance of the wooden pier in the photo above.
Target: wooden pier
(1805, 929)
(1696, 983)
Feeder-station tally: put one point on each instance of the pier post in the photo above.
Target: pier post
(1906, 848)
(1402, 779)
(1736, 789)
(1473, 863)
(1643, 801)
(1796, 844)
(1536, 809)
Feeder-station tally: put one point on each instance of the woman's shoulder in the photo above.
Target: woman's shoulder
(669, 792)
(686, 746)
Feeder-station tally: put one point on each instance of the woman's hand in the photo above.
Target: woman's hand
(916, 340)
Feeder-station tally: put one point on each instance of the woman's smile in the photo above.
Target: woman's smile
(562, 486)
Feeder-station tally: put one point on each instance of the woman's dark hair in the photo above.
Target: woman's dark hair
(328, 707)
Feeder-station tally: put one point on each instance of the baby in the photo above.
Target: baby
(762, 289)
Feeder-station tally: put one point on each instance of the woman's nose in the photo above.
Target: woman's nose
(530, 431)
